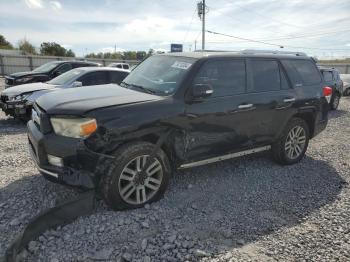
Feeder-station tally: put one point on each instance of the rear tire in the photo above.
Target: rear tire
(292, 145)
(124, 187)
(335, 101)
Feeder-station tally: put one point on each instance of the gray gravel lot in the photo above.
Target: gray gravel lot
(247, 209)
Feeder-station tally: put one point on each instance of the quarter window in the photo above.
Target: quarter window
(265, 75)
(226, 77)
(307, 71)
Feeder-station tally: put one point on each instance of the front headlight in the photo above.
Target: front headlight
(74, 127)
(24, 79)
(19, 97)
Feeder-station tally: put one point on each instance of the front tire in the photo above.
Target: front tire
(292, 145)
(126, 187)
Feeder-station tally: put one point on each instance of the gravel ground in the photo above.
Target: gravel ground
(247, 209)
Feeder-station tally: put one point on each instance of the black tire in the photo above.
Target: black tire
(279, 151)
(109, 185)
(334, 103)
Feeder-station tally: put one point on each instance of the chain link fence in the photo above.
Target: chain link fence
(10, 63)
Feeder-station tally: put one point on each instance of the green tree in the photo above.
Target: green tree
(26, 47)
(53, 49)
(140, 55)
(70, 53)
(4, 44)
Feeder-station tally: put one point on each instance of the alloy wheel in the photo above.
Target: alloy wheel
(295, 142)
(137, 187)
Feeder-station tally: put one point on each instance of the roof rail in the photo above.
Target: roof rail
(276, 52)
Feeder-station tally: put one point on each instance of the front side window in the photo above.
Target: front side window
(265, 75)
(159, 74)
(94, 78)
(64, 68)
(117, 77)
(226, 77)
(66, 78)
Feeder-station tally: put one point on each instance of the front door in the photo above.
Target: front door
(218, 124)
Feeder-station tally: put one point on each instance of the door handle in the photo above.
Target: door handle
(245, 106)
(288, 100)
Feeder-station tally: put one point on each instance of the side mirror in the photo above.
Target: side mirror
(77, 84)
(202, 91)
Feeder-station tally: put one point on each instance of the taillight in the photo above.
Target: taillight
(327, 91)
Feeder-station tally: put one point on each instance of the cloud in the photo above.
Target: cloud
(111, 50)
(34, 4)
(55, 5)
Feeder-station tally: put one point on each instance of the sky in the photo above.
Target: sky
(320, 28)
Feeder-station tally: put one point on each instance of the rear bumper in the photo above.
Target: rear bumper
(78, 164)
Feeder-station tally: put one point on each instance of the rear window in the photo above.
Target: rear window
(305, 71)
(327, 76)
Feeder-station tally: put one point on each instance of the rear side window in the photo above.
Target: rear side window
(265, 75)
(327, 76)
(125, 66)
(117, 77)
(335, 75)
(94, 78)
(227, 77)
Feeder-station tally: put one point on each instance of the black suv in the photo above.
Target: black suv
(45, 72)
(177, 111)
(332, 79)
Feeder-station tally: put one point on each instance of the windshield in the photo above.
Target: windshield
(46, 67)
(159, 74)
(66, 78)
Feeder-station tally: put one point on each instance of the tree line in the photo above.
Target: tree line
(55, 49)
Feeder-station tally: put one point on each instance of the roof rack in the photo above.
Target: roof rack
(275, 52)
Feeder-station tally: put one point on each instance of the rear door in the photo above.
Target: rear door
(270, 97)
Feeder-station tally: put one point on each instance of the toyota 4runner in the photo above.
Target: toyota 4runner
(176, 111)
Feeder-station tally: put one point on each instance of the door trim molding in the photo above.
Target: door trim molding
(224, 157)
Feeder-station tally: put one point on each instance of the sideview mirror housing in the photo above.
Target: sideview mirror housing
(77, 84)
(202, 90)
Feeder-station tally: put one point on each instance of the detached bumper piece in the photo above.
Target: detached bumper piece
(60, 163)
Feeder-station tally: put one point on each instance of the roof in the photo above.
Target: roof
(99, 68)
(75, 61)
(198, 55)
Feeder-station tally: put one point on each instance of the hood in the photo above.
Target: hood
(26, 88)
(77, 101)
(20, 74)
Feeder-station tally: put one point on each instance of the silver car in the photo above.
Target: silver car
(17, 101)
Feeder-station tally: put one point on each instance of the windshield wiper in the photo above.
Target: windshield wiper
(127, 85)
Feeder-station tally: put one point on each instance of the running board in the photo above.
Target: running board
(225, 157)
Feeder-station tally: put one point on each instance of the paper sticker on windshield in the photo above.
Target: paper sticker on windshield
(181, 65)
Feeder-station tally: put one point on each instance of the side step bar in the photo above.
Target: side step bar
(225, 157)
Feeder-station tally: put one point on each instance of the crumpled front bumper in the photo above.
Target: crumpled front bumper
(16, 109)
(81, 167)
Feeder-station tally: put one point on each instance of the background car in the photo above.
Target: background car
(332, 79)
(17, 101)
(45, 72)
(120, 65)
(346, 84)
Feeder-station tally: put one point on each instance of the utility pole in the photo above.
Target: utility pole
(203, 26)
(201, 13)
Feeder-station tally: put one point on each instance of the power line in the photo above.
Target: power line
(281, 46)
(242, 38)
(190, 25)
